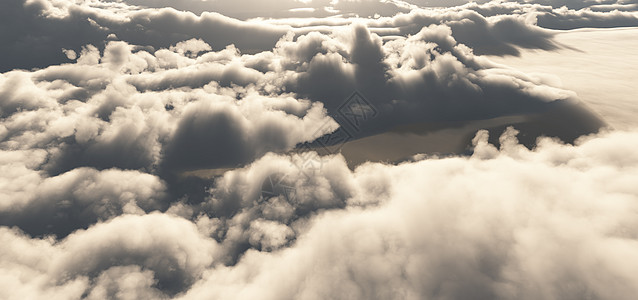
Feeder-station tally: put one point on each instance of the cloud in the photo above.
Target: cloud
(47, 27)
(161, 154)
(248, 9)
(499, 32)
(99, 112)
(426, 77)
(511, 223)
(154, 250)
(129, 110)
(503, 223)
(76, 199)
(570, 19)
(217, 133)
(50, 26)
(132, 109)
(171, 247)
(614, 103)
(129, 282)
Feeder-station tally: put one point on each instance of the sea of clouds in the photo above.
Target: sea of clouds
(108, 108)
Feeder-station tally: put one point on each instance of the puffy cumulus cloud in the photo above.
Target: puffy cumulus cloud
(213, 134)
(187, 107)
(100, 155)
(128, 282)
(157, 114)
(125, 108)
(266, 205)
(192, 47)
(171, 247)
(506, 222)
(76, 199)
(125, 257)
(24, 269)
(426, 77)
(89, 140)
(554, 222)
(500, 33)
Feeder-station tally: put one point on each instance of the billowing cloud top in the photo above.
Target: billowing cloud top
(306, 150)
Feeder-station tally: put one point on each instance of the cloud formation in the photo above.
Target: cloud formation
(38, 29)
(187, 107)
(153, 153)
(490, 226)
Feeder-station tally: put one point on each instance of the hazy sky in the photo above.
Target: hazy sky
(318, 149)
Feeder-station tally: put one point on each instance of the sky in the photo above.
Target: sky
(191, 149)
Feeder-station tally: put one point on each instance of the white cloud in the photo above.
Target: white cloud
(606, 90)
(514, 223)
(75, 199)
(521, 224)
(502, 26)
(164, 154)
(151, 249)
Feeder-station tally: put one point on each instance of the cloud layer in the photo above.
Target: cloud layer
(555, 222)
(37, 29)
(156, 153)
